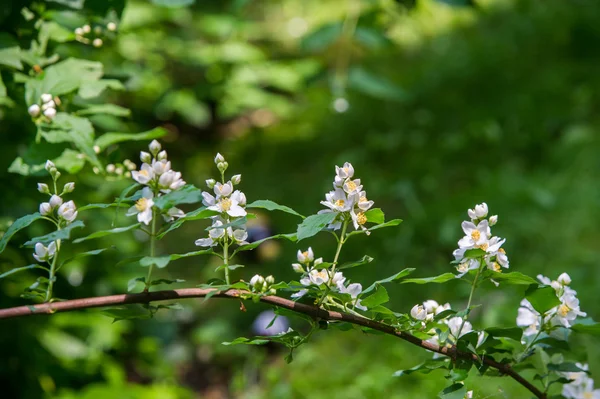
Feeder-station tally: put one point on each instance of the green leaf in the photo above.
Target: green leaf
(393, 222)
(20, 269)
(134, 282)
(165, 281)
(187, 194)
(375, 215)
(235, 223)
(314, 224)
(273, 206)
(63, 234)
(395, 277)
(229, 267)
(76, 130)
(566, 367)
(454, 391)
(91, 89)
(363, 261)
(102, 206)
(379, 297)
(246, 341)
(127, 312)
(11, 57)
(442, 278)
(586, 326)
(173, 3)
(84, 254)
(104, 233)
(252, 245)
(201, 213)
(17, 225)
(160, 261)
(374, 85)
(424, 368)
(514, 278)
(512, 332)
(194, 253)
(474, 253)
(108, 109)
(542, 298)
(111, 138)
(322, 38)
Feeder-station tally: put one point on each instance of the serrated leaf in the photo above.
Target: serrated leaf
(20, 269)
(514, 278)
(159, 261)
(442, 278)
(363, 261)
(104, 233)
(110, 138)
(273, 206)
(17, 225)
(187, 194)
(314, 224)
(542, 298)
(379, 297)
(394, 277)
(375, 215)
(63, 234)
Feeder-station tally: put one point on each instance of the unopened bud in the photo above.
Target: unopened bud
(97, 149)
(236, 179)
(45, 208)
(297, 268)
(97, 42)
(154, 147)
(145, 157)
(57, 175)
(34, 110)
(272, 291)
(270, 280)
(162, 155)
(46, 97)
(50, 113)
(51, 168)
(69, 187)
(210, 183)
(222, 166)
(111, 26)
(110, 168)
(48, 105)
(219, 158)
(564, 279)
(43, 188)
(257, 282)
(79, 31)
(86, 28)
(493, 220)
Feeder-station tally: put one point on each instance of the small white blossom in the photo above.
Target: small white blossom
(145, 157)
(172, 214)
(297, 268)
(55, 201)
(86, 28)
(418, 312)
(67, 211)
(46, 97)
(97, 42)
(219, 158)
(162, 156)
(454, 325)
(236, 179)
(306, 256)
(143, 207)
(493, 220)
(45, 208)
(480, 211)
(154, 147)
(48, 105)
(144, 175)
(43, 253)
(210, 183)
(69, 187)
(43, 188)
(160, 167)
(223, 190)
(34, 110)
(529, 318)
(111, 26)
(50, 113)
(318, 277)
(475, 235)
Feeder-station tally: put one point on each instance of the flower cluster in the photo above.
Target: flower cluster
(47, 109)
(348, 199)
(322, 278)
(262, 284)
(119, 170)
(581, 385)
(86, 35)
(478, 235)
(230, 205)
(561, 315)
(158, 178)
(428, 310)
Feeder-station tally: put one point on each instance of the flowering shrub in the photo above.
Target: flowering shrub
(548, 314)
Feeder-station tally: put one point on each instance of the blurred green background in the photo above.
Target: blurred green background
(439, 105)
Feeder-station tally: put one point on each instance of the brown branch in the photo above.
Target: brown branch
(313, 311)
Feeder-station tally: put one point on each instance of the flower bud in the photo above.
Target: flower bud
(97, 29)
(110, 168)
(43, 253)
(57, 175)
(45, 208)
(270, 280)
(493, 220)
(564, 279)
(162, 155)
(50, 167)
(50, 113)
(69, 187)
(79, 31)
(257, 282)
(34, 110)
(556, 285)
(67, 211)
(48, 105)
(96, 149)
(43, 188)
(222, 166)
(210, 183)
(55, 201)
(418, 312)
(145, 157)
(46, 97)
(154, 147)
(111, 26)
(97, 42)
(297, 268)
(219, 158)
(236, 179)
(86, 28)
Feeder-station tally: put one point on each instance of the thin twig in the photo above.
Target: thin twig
(313, 311)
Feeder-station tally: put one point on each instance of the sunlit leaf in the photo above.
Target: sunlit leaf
(187, 194)
(395, 277)
(314, 224)
(17, 225)
(108, 139)
(63, 234)
(104, 233)
(442, 278)
(273, 206)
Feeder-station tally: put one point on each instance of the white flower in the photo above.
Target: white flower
(226, 205)
(475, 236)
(363, 203)
(97, 42)
(306, 256)
(480, 211)
(210, 183)
(219, 158)
(55, 201)
(337, 201)
(173, 213)
(352, 186)
(469, 395)
(493, 220)
(143, 207)
(318, 277)
(45, 208)
(454, 325)
(240, 197)
(43, 253)
(154, 147)
(50, 113)
(568, 310)
(582, 387)
(528, 317)
(257, 282)
(49, 104)
(34, 110)
(160, 167)
(67, 211)
(170, 181)
(50, 166)
(145, 157)
(86, 28)
(111, 26)
(223, 190)
(564, 279)
(144, 175)
(430, 305)
(464, 267)
(214, 234)
(338, 280)
(358, 220)
(79, 31)
(299, 294)
(43, 188)
(418, 312)
(236, 179)
(46, 97)
(240, 236)
(353, 289)
(345, 172)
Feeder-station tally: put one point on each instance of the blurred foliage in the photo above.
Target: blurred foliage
(439, 105)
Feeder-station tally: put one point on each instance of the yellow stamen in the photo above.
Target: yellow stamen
(225, 204)
(363, 199)
(588, 395)
(483, 246)
(502, 250)
(339, 203)
(475, 235)
(141, 204)
(361, 218)
(351, 185)
(305, 254)
(496, 267)
(563, 310)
